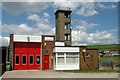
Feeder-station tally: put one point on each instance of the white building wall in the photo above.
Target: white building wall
(59, 44)
(67, 67)
(24, 38)
(66, 49)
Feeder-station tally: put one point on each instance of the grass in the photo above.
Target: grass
(92, 71)
(115, 59)
(105, 47)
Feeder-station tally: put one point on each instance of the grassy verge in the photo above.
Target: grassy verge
(92, 71)
(105, 47)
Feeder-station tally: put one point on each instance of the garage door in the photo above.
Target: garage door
(27, 55)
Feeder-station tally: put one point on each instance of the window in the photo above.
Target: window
(72, 54)
(17, 59)
(67, 37)
(24, 60)
(72, 58)
(66, 15)
(67, 26)
(60, 60)
(38, 59)
(60, 54)
(87, 55)
(31, 59)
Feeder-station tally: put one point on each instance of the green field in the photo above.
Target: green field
(105, 47)
(114, 59)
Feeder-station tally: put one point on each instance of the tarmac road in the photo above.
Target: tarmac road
(54, 74)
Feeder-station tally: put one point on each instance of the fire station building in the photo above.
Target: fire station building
(51, 52)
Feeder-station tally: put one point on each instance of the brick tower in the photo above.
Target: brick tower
(63, 26)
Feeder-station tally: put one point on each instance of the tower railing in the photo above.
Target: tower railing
(64, 8)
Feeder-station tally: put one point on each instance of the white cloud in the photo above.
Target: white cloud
(87, 9)
(60, 0)
(4, 41)
(103, 37)
(80, 8)
(72, 5)
(16, 8)
(84, 26)
(17, 29)
(43, 18)
(81, 36)
(103, 6)
(40, 27)
(46, 15)
(33, 17)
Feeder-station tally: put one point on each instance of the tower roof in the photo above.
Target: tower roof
(65, 10)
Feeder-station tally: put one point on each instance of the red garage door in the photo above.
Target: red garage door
(27, 55)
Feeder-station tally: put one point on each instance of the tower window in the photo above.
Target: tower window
(67, 37)
(66, 15)
(67, 26)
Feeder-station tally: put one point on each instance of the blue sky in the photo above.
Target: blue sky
(92, 22)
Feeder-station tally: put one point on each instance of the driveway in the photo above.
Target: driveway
(54, 74)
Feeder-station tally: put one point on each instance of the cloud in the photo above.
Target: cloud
(87, 9)
(102, 37)
(60, 0)
(4, 41)
(16, 29)
(16, 8)
(84, 25)
(33, 17)
(81, 36)
(80, 8)
(46, 15)
(103, 6)
(40, 27)
(72, 5)
(43, 18)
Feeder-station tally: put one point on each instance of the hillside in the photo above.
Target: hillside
(105, 47)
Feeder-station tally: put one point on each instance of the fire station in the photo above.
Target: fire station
(51, 52)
